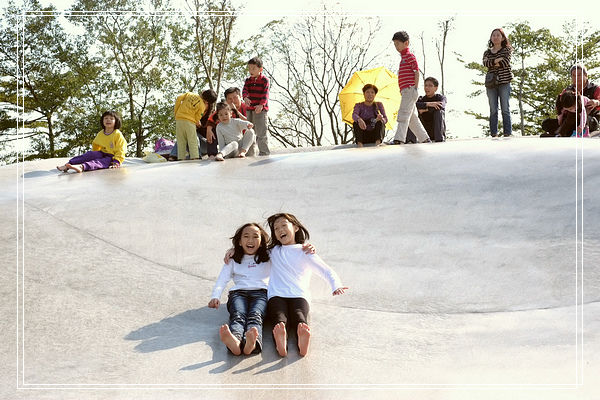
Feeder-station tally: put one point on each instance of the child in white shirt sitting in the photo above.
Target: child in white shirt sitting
(235, 136)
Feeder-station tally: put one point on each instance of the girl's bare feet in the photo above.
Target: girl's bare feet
(230, 341)
(74, 167)
(280, 336)
(62, 168)
(303, 338)
(251, 337)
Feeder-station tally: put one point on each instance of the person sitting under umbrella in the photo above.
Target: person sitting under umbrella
(369, 118)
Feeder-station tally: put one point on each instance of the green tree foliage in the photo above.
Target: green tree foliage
(540, 64)
(36, 84)
(136, 54)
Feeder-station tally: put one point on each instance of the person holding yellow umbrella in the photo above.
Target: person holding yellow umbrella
(369, 118)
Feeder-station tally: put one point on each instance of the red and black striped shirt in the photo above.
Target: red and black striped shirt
(257, 90)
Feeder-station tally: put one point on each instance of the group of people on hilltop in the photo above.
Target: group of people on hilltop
(227, 129)
(234, 127)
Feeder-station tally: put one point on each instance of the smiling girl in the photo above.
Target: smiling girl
(289, 285)
(108, 148)
(249, 268)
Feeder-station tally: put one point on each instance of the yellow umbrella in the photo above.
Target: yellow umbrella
(388, 93)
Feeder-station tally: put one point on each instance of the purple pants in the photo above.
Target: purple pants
(93, 160)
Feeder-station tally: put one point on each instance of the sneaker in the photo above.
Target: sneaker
(395, 142)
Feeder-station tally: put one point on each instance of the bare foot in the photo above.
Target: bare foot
(230, 341)
(251, 337)
(242, 154)
(62, 168)
(303, 338)
(219, 157)
(280, 336)
(75, 167)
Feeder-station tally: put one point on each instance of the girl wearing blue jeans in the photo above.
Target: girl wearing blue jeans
(497, 59)
(249, 267)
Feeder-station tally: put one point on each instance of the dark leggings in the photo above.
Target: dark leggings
(289, 310)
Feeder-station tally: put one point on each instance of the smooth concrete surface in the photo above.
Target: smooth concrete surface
(472, 267)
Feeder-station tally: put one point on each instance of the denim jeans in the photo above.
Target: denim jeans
(247, 309)
(502, 92)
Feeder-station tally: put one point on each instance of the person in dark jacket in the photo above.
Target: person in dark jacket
(432, 109)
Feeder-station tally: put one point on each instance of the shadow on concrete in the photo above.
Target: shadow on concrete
(37, 174)
(172, 332)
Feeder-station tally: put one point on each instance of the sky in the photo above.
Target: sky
(473, 24)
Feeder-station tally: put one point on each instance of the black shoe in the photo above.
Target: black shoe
(426, 141)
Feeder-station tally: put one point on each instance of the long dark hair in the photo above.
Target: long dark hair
(210, 96)
(115, 115)
(300, 237)
(262, 255)
(505, 42)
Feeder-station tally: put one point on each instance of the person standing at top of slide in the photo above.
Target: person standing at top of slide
(256, 97)
(408, 80)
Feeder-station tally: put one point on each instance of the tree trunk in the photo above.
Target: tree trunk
(51, 135)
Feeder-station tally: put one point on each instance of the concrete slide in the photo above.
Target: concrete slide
(473, 268)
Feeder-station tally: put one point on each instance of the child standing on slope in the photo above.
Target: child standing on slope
(289, 284)
(108, 148)
(247, 304)
(408, 81)
(256, 97)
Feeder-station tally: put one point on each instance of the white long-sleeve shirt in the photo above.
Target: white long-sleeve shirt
(292, 269)
(248, 275)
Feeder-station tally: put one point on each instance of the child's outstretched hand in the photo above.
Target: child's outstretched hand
(309, 248)
(339, 290)
(214, 303)
(247, 101)
(114, 165)
(250, 125)
(258, 109)
(228, 255)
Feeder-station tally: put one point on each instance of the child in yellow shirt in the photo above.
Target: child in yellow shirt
(108, 148)
(189, 108)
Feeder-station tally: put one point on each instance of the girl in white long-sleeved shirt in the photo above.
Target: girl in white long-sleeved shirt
(289, 284)
(249, 268)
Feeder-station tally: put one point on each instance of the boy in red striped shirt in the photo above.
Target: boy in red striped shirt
(408, 81)
(256, 97)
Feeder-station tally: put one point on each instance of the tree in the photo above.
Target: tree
(445, 26)
(203, 42)
(37, 83)
(308, 63)
(135, 50)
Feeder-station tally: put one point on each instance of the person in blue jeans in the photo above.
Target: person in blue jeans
(497, 60)
(249, 267)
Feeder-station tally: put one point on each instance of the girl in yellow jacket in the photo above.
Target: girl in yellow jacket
(108, 148)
